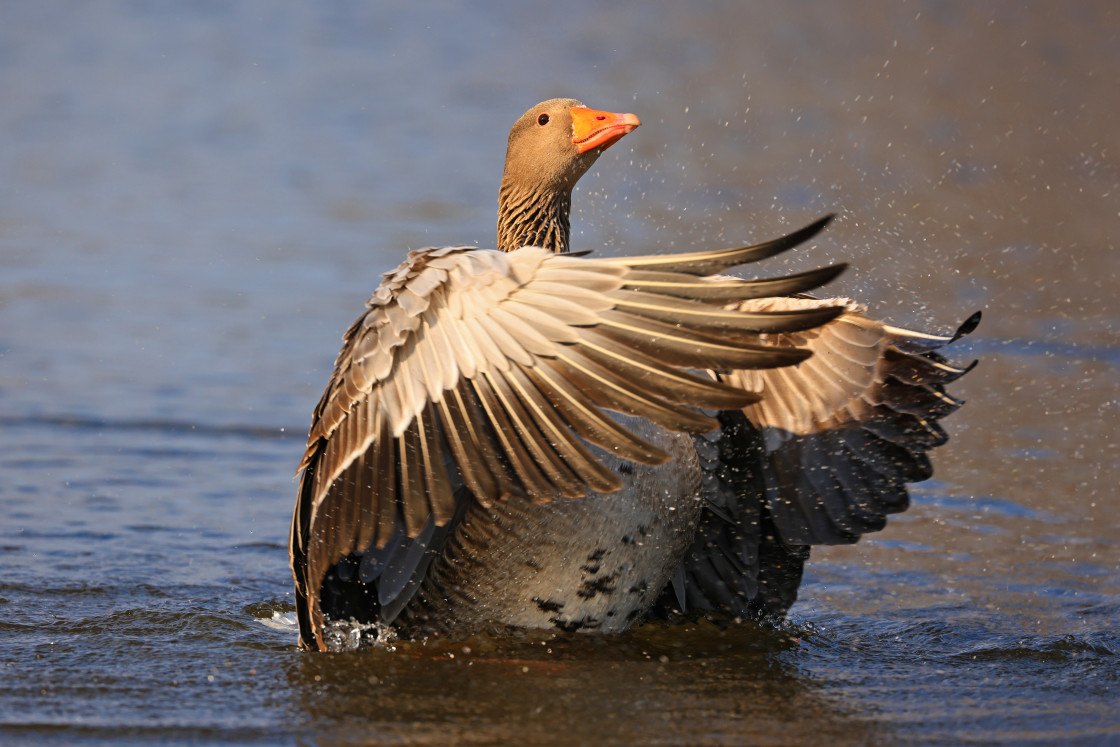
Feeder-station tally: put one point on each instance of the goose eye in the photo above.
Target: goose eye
(542, 120)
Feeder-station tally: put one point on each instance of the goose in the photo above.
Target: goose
(524, 437)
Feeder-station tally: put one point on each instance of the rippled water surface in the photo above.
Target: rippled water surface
(196, 198)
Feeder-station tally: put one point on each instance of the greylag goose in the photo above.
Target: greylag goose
(527, 438)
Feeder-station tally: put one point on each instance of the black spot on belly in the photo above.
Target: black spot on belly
(547, 605)
(572, 626)
(593, 559)
(626, 468)
(601, 585)
(639, 588)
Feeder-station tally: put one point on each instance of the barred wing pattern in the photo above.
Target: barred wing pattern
(826, 457)
(492, 371)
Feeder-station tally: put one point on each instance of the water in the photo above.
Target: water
(195, 199)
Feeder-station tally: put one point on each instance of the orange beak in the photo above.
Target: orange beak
(592, 129)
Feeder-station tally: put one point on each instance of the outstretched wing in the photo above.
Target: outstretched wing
(491, 370)
(821, 458)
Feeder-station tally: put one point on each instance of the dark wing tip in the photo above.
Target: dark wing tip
(793, 356)
(827, 314)
(812, 229)
(805, 319)
(790, 240)
(968, 326)
(826, 275)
